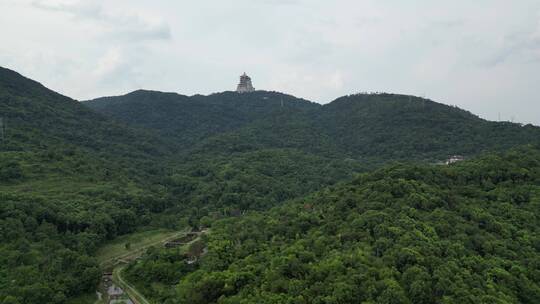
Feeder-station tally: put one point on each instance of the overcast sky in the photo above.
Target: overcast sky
(480, 55)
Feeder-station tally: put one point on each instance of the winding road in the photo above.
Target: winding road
(132, 292)
(118, 263)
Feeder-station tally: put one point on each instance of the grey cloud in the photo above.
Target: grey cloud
(127, 27)
(84, 9)
(523, 46)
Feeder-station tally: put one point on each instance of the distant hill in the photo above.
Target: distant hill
(403, 127)
(366, 127)
(37, 118)
(190, 119)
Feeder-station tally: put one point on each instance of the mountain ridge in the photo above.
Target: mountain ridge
(359, 125)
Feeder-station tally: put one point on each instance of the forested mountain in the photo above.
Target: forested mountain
(69, 179)
(466, 233)
(404, 127)
(74, 175)
(217, 163)
(36, 117)
(368, 127)
(190, 119)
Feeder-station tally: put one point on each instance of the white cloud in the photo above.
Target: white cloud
(336, 80)
(523, 46)
(110, 62)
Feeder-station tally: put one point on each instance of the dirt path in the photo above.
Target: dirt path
(118, 264)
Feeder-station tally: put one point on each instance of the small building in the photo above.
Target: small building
(245, 85)
(454, 159)
(114, 290)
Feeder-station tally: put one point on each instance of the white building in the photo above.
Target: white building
(454, 159)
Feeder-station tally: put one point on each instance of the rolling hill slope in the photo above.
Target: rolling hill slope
(403, 127)
(38, 118)
(69, 179)
(367, 127)
(191, 119)
(465, 233)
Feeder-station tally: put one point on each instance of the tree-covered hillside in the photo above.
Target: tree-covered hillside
(73, 176)
(404, 127)
(37, 118)
(465, 233)
(371, 128)
(223, 162)
(190, 119)
(69, 179)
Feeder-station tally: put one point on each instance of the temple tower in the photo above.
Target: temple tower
(245, 85)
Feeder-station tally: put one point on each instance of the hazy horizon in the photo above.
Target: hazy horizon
(483, 57)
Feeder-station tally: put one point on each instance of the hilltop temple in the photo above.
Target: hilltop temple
(245, 85)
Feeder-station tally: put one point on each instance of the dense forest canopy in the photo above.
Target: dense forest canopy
(69, 179)
(466, 233)
(257, 167)
(372, 128)
(190, 119)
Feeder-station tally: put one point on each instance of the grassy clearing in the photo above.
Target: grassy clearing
(65, 188)
(139, 290)
(138, 241)
(114, 250)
